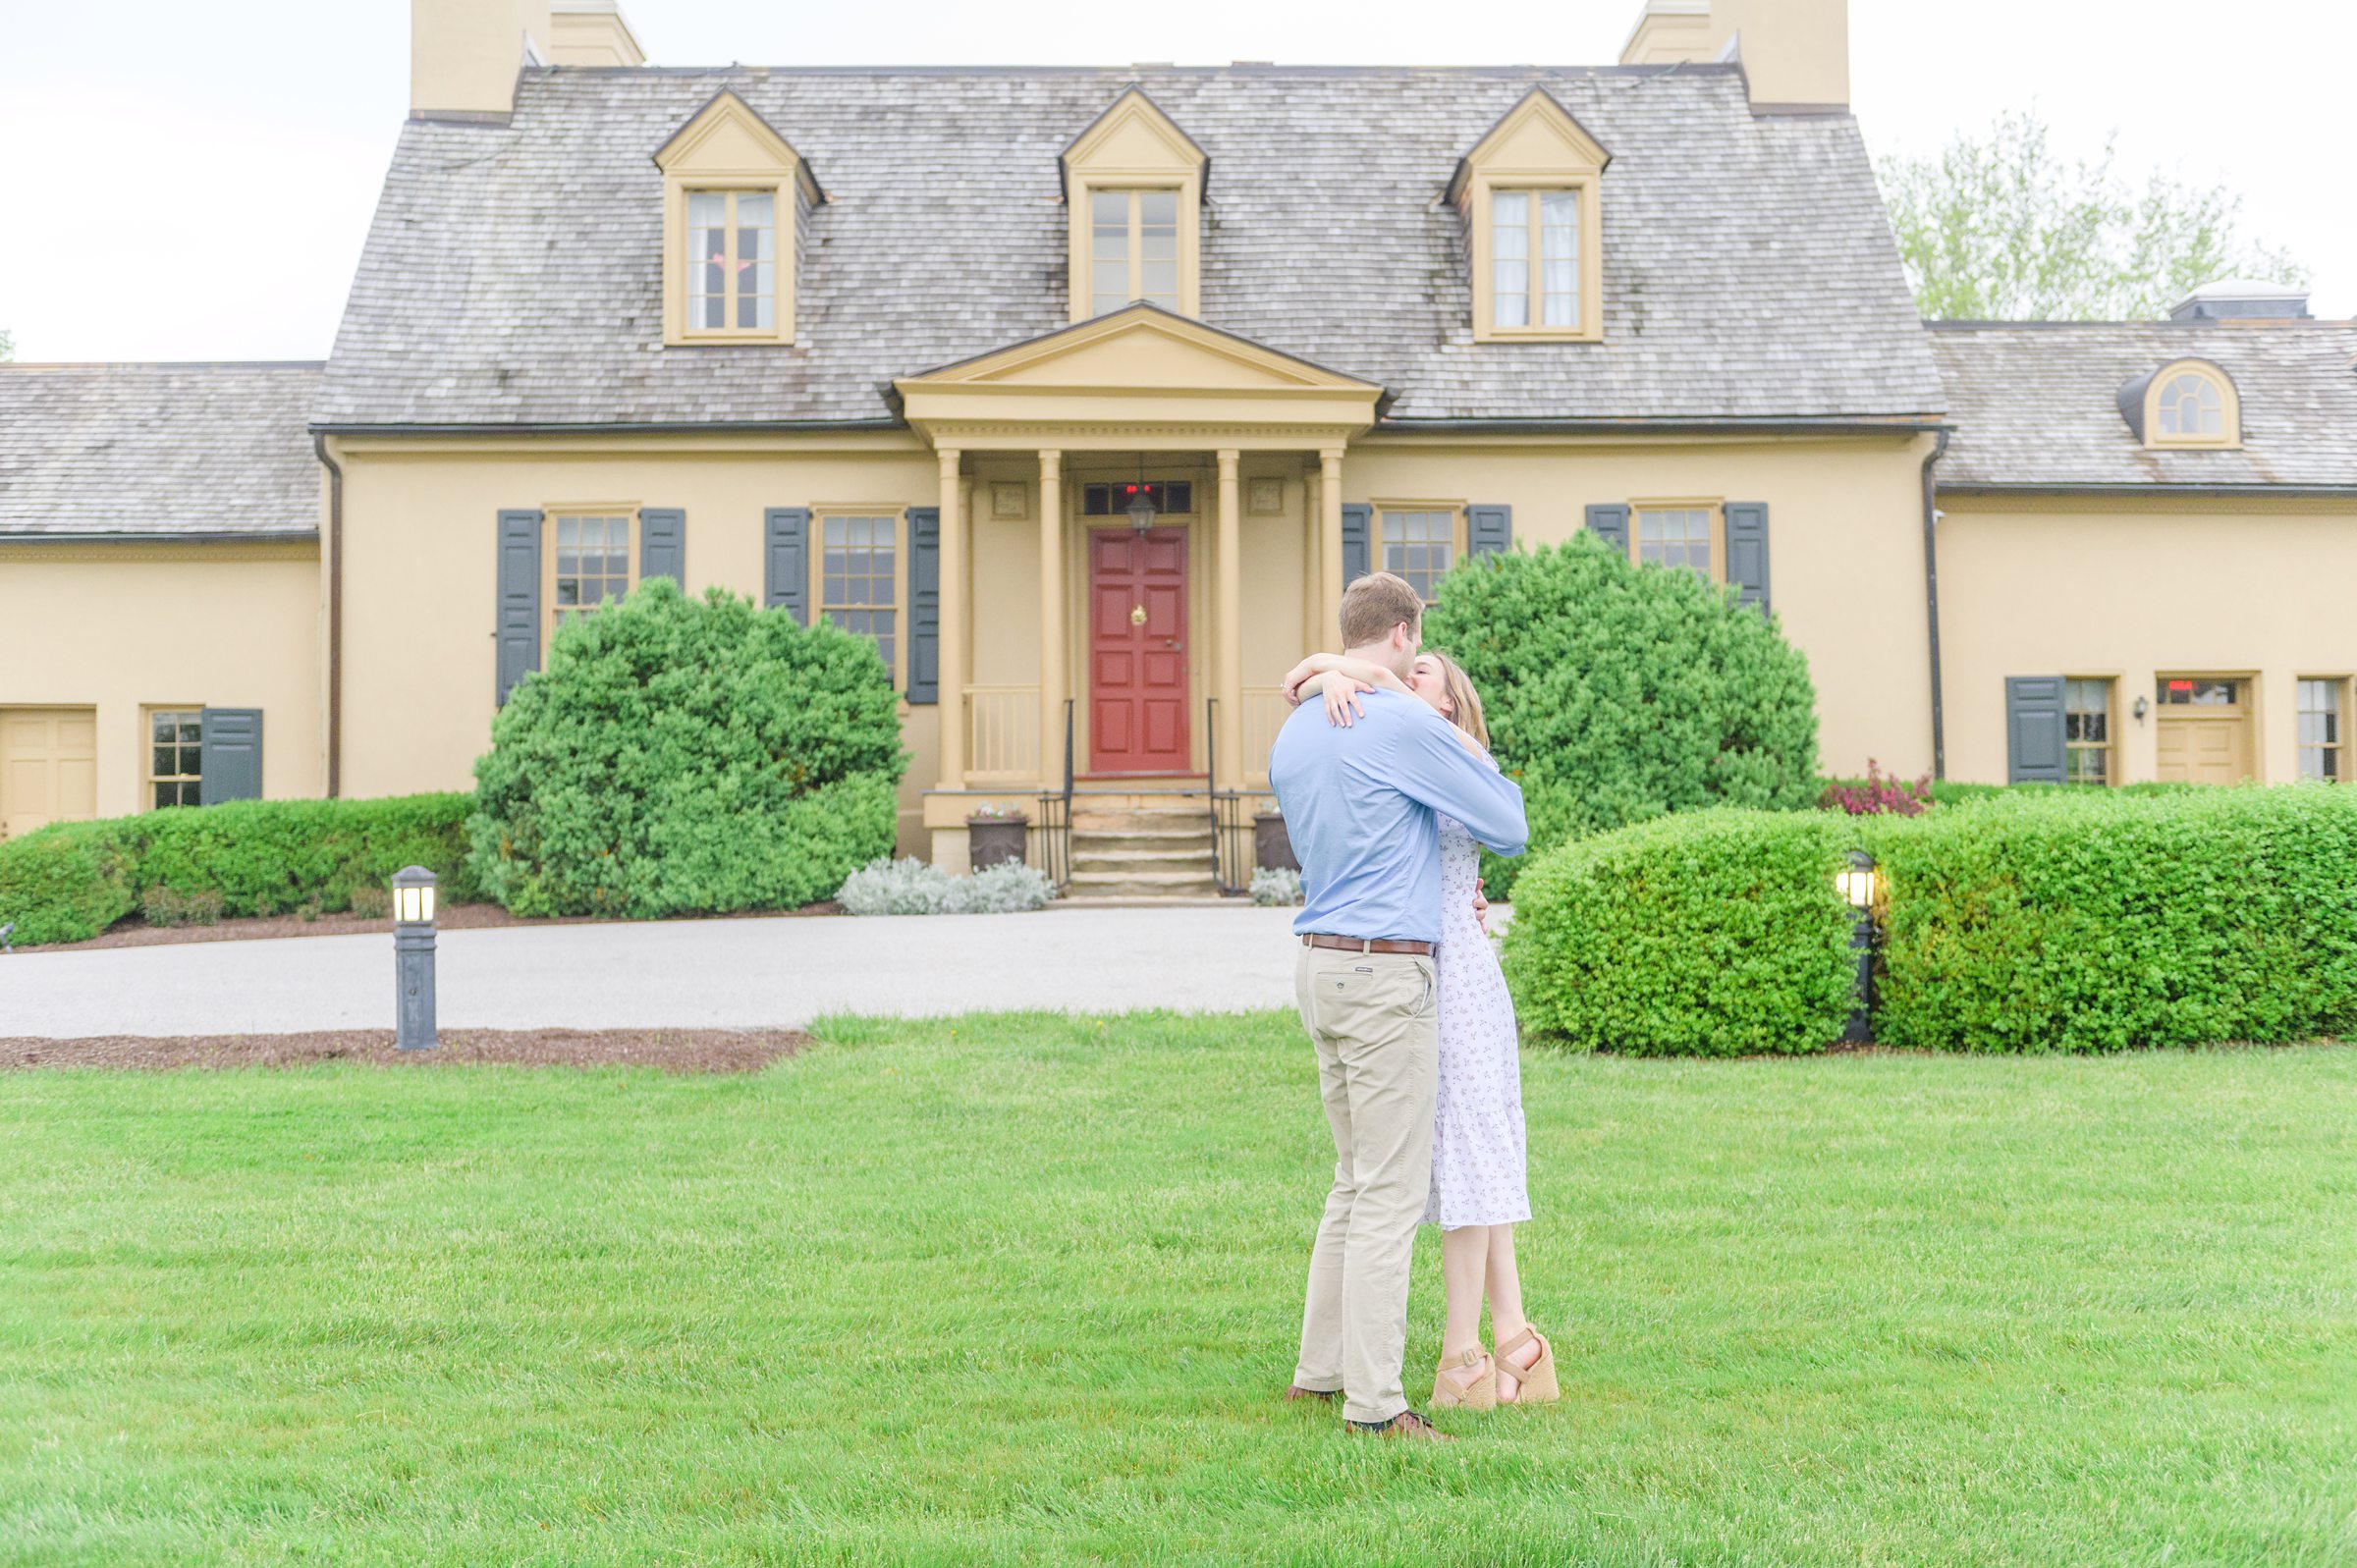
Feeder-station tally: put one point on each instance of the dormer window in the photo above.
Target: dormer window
(732, 261)
(1133, 249)
(1529, 192)
(2191, 410)
(2189, 404)
(1133, 187)
(735, 196)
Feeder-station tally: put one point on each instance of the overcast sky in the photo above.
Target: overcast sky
(251, 135)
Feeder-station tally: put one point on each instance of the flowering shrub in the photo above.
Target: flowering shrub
(993, 811)
(1877, 794)
(911, 887)
(1276, 887)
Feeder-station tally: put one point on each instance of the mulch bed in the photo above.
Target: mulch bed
(136, 933)
(682, 1050)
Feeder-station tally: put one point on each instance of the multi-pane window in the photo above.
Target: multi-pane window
(591, 560)
(1534, 259)
(1112, 499)
(2191, 409)
(856, 589)
(2086, 731)
(2179, 691)
(731, 261)
(1419, 546)
(2324, 731)
(1133, 249)
(175, 756)
(1673, 537)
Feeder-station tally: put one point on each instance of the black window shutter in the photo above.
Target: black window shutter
(787, 552)
(662, 544)
(230, 753)
(1488, 530)
(924, 604)
(2034, 729)
(519, 599)
(1358, 542)
(1608, 521)
(1747, 552)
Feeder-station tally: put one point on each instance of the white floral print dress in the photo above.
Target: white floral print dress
(1478, 1161)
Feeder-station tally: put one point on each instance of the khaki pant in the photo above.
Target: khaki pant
(1373, 1020)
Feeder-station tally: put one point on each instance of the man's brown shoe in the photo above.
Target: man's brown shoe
(1297, 1391)
(1406, 1423)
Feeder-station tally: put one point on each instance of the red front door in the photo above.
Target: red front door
(1138, 650)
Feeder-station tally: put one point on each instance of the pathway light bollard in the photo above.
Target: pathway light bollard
(414, 960)
(1858, 886)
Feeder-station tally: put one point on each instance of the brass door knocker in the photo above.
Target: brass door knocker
(1138, 616)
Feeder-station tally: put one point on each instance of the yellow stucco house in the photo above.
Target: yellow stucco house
(1085, 391)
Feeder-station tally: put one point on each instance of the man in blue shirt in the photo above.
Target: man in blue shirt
(1359, 803)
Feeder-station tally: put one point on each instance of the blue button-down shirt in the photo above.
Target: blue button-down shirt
(1358, 803)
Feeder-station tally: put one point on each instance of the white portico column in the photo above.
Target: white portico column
(1330, 547)
(1228, 636)
(952, 695)
(1051, 616)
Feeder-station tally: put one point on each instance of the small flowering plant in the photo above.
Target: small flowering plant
(1879, 795)
(994, 812)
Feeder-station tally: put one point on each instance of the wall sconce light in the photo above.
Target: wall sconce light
(414, 960)
(2142, 708)
(1859, 883)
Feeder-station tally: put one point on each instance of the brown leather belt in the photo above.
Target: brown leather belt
(1320, 938)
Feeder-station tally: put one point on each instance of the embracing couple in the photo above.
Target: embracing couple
(1387, 785)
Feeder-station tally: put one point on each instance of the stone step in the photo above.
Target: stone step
(1142, 885)
(1152, 901)
(1149, 819)
(1090, 855)
(1176, 843)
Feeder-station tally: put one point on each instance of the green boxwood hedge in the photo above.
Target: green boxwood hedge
(1711, 933)
(2096, 920)
(70, 881)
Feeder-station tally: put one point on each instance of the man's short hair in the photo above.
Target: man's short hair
(1376, 603)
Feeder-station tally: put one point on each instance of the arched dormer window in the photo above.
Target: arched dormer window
(2190, 403)
(1134, 193)
(1531, 192)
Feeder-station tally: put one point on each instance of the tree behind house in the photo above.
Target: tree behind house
(2001, 228)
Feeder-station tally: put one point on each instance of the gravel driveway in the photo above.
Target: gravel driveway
(686, 973)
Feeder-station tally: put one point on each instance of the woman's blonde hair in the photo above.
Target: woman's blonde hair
(1463, 701)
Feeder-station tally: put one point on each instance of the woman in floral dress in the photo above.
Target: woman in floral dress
(1479, 1192)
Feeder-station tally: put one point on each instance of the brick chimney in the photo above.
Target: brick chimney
(1794, 53)
(464, 54)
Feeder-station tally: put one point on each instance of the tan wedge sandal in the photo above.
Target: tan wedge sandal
(1538, 1384)
(1470, 1381)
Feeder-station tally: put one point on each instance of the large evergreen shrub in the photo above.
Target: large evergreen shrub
(1711, 933)
(685, 756)
(2097, 920)
(1617, 693)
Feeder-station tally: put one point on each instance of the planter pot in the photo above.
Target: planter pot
(1272, 845)
(995, 841)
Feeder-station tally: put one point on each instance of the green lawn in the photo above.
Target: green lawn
(1024, 1290)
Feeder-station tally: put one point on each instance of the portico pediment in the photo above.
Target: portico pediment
(1138, 376)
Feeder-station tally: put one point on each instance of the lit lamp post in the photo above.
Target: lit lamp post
(414, 960)
(1858, 884)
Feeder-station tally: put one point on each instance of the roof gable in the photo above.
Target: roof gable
(1132, 136)
(1537, 135)
(1142, 346)
(726, 138)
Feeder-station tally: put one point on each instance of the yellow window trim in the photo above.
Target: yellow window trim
(782, 206)
(1716, 506)
(2341, 699)
(2110, 679)
(726, 146)
(149, 777)
(820, 511)
(1536, 146)
(1456, 510)
(2229, 434)
(1133, 146)
(548, 555)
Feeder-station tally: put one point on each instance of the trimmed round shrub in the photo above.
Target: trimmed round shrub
(2099, 920)
(687, 756)
(267, 857)
(1616, 693)
(1714, 933)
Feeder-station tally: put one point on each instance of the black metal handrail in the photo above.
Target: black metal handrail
(1231, 840)
(1055, 830)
